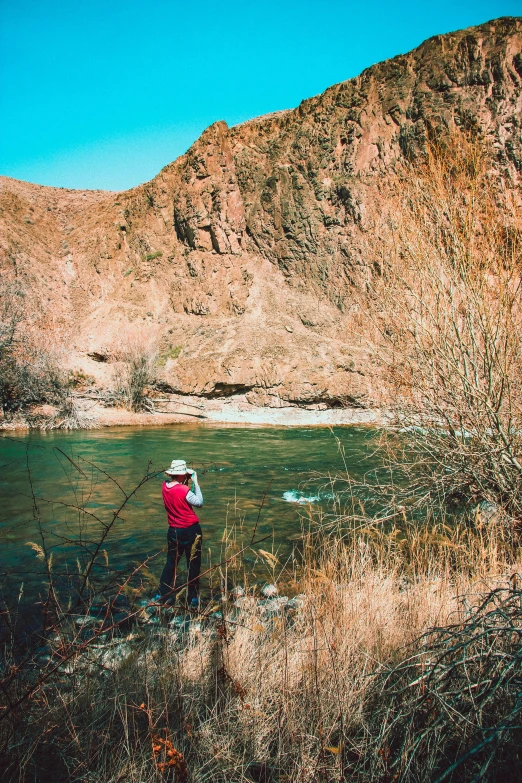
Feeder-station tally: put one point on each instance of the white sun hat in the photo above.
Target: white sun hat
(178, 467)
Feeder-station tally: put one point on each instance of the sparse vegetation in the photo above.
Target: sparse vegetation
(447, 310)
(171, 353)
(30, 374)
(78, 379)
(134, 372)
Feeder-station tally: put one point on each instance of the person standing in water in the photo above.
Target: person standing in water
(184, 535)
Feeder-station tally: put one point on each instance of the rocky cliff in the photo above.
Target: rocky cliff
(240, 257)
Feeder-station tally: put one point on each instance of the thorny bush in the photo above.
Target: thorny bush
(452, 712)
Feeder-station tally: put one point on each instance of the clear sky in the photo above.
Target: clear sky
(104, 93)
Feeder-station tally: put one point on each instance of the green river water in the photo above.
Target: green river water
(237, 468)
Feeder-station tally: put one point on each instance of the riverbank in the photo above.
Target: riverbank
(185, 410)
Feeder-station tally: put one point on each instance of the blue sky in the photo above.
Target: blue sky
(104, 93)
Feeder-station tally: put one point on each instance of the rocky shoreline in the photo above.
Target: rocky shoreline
(195, 410)
(108, 633)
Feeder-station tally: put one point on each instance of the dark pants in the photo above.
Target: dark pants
(182, 541)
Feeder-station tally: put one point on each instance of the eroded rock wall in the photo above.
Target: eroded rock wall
(240, 257)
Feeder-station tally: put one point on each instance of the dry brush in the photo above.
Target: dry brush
(445, 315)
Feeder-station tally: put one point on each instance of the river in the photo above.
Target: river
(45, 477)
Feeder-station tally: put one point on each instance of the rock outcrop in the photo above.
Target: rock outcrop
(243, 253)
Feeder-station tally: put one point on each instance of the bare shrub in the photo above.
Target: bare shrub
(452, 710)
(29, 372)
(136, 357)
(66, 416)
(447, 316)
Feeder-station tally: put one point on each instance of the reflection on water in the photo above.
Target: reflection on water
(239, 469)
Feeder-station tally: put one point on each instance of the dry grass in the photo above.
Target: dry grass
(135, 369)
(309, 694)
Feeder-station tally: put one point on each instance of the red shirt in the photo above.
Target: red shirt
(179, 511)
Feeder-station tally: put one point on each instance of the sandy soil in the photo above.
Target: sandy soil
(222, 412)
(194, 409)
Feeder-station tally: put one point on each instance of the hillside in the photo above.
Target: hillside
(241, 256)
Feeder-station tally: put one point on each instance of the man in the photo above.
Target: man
(184, 534)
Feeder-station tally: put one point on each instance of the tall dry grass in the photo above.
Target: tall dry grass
(288, 694)
(135, 370)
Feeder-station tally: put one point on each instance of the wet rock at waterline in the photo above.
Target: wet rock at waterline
(148, 624)
(269, 591)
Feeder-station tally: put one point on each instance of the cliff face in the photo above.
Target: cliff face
(244, 251)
